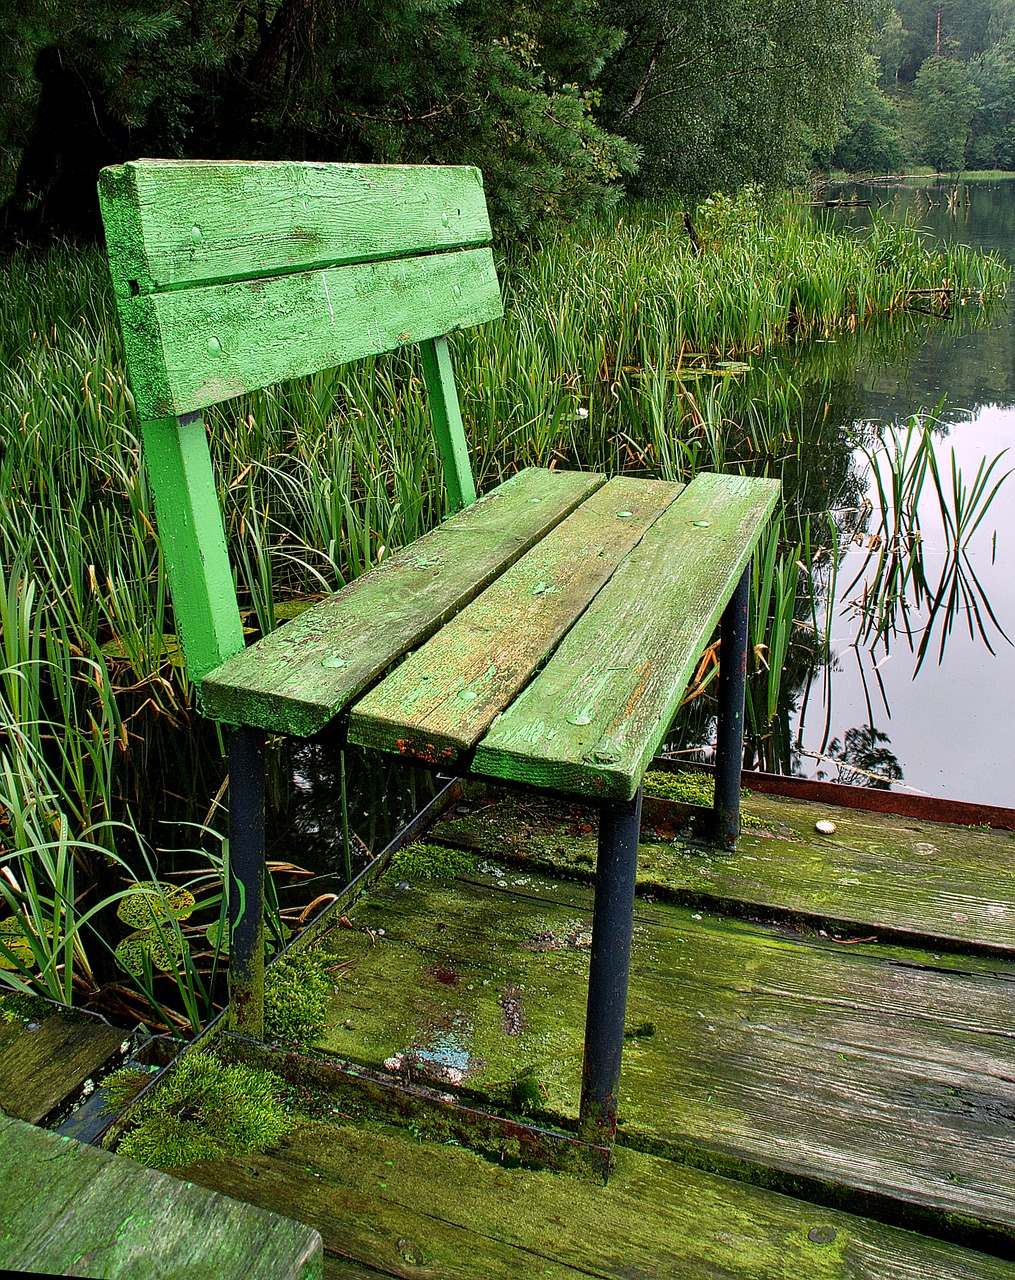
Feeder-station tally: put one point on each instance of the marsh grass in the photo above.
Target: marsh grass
(621, 350)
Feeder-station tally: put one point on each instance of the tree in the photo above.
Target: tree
(993, 129)
(719, 92)
(509, 88)
(941, 110)
(872, 137)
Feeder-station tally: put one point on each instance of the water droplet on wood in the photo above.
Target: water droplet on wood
(625, 515)
(468, 695)
(701, 524)
(579, 718)
(334, 660)
(214, 345)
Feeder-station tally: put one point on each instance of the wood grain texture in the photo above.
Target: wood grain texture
(594, 717)
(918, 882)
(299, 677)
(193, 542)
(41, 1069)
(190, 348)
(446, 695)
(879, 1071)
(78, 1211)
(423, 1211)
(175, 223)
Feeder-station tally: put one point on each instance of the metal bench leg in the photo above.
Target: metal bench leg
(612, 923)
(246, 881)
(729, 751)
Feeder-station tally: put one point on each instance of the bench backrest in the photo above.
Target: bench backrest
(230, 276)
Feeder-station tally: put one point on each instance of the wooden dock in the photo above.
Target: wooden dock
(819, 1075)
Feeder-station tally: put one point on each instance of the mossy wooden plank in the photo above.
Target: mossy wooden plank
(174, 223)
(594, 717)
(868, 1074)
(446, 695)
(928, 882)
(77, 1211)
(298, 678)
(190, 348)
(424, 1211)
(44, 1064)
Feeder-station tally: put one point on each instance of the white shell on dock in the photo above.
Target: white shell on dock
(825, 827)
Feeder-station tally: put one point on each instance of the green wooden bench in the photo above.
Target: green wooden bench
(552, 625)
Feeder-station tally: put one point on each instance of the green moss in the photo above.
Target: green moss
(122, 1086)
(688, 786)
(204, 1110)
(16, 1007)
(297, 992)
(424, 861)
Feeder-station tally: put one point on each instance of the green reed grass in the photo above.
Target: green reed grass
(621, 349)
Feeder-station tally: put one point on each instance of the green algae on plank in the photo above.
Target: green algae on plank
(44, 1063)
(443, 1213)
(79, 1211)
(865, 1075)
(932, 884)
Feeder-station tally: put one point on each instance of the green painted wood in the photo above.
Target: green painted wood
(871, 1076)
(594, 717)
(78, 1211)
(44, 1067)
(177, 223)
(424, 1211)
(926, 882)
(299, 677)
(447, 422)
(446, 695)
(193, 542)
(190, 348)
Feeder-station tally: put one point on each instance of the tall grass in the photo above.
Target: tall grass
(622, 349)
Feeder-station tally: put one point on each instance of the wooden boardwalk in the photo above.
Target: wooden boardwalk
(819, 1077)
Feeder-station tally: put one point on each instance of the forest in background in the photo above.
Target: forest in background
(565, 105)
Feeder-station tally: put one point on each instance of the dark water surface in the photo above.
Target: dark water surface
(950, 728)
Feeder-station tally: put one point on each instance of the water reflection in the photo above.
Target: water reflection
(926, 567)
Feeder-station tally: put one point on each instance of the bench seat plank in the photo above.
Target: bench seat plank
(180, 223)
(299, 677)
(446, 695)
(594, 717)
(190, 348)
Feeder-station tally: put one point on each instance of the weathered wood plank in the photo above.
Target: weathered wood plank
(44, 1064)
(77, 1211)
(193, 542)
(190, 348)
(877, 1071)
(926, 882)
(299, 677)
(431, 1212)
(173, 223)
(447, 694)
(594, 717)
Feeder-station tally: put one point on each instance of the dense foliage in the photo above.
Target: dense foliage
(556, 102)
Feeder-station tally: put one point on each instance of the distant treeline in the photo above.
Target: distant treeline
(564, 104)
(944, 94)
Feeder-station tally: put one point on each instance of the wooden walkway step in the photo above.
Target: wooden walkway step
(45, 1060)
(917, 882)
(877, 1076)
(428, 1212)
(72, 1210)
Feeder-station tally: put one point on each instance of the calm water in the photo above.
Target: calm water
(948, 731)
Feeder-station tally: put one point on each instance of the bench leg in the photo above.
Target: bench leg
(729, 752)
(246, 881)
(612, 924)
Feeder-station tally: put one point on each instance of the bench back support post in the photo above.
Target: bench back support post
(193, 541)
(446, 417)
